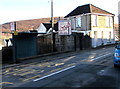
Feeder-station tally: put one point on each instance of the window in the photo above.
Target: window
(111, 22)
(78, 22)
(94, 20)
(108, 21)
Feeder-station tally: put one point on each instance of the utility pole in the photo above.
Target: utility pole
(52, 22)
(14, 43)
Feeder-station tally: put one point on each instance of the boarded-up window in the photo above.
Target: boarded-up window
(109, 21)
(94, 20)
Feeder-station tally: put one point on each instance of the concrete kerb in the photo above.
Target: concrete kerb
(50, 54)
(43, 55)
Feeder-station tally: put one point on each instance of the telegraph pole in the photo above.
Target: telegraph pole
(13, 27)
(52, 22)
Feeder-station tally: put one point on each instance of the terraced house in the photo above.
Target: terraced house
(95, 22)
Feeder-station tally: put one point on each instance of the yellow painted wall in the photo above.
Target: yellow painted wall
(102, 21)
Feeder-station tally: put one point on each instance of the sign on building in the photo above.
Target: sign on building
(13, 26)
(64, 27)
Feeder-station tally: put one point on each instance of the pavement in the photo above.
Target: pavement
(48, 57)
(28, 60)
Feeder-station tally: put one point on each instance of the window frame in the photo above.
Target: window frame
(109, 21)
(78, 22)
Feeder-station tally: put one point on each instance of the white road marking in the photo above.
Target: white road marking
(100, 57)
(53, 73)
(68, 68)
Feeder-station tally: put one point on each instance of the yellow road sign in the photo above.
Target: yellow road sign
(15, 33)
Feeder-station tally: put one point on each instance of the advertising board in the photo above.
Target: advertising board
(64, 27)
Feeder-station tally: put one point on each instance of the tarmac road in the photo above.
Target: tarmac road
(92, 68)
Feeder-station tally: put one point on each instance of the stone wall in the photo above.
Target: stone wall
(64, 42)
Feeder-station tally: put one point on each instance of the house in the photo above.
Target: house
(45, 28)
(93, 21)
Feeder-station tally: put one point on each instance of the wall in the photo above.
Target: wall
(85, 22)
(7, 54)
(64, 42)
(44, 44)
(76, 41)
(101, 34)
(61, 43)
(27, 45)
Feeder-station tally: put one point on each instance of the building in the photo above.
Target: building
(45, 28)
(93, 21)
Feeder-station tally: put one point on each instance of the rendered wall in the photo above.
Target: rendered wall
(102, 34)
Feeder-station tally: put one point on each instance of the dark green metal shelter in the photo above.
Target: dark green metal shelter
(24, 45)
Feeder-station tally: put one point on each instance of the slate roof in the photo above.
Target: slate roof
(88, 8)
(48, 26)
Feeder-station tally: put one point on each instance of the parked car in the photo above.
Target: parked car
(117, 55)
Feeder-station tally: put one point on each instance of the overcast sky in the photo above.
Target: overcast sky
(14, 10)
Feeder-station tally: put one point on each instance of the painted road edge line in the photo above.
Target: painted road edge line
(53, 73)
(101, 56)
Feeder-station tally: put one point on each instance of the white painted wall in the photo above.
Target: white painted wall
(102, 40)
(41, 29)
